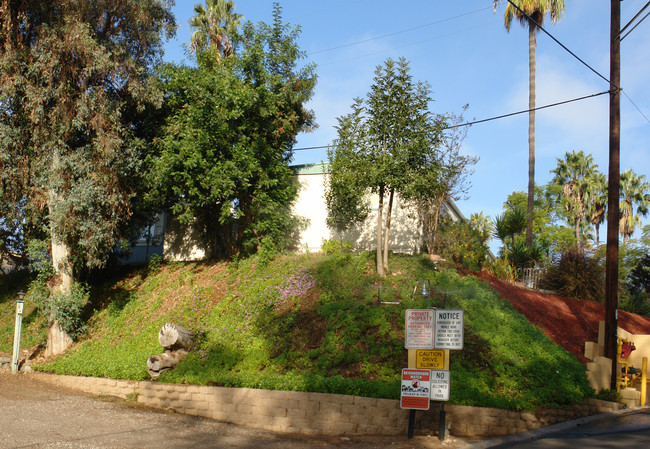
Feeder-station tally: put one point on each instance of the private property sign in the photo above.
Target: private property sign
(418, 329)
(416, 387)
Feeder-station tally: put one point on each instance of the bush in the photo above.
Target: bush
(576, 274)
(502, 269)
(336, 246)
(463, 244)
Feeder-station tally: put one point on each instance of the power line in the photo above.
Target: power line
(395, 33)
(528, 110)
(493, 118)
(561, 44)
(634, 104)
(630, 22)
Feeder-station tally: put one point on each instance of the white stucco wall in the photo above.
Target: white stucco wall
(405, 236)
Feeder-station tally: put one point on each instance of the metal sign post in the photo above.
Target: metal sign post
(19, 322)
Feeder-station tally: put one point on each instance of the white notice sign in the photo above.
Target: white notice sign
(440, 385)
(449, 329)
(418, 329)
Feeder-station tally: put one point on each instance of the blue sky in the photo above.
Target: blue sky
(463, 50)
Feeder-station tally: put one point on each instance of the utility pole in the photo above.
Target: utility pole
(611, 262)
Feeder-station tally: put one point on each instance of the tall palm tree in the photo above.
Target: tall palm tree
(215, 24)
(634, 193)
(524, 12)
(576, 173)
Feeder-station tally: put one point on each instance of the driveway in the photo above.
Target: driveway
(38, 415)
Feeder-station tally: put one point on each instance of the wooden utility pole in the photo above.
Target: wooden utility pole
(611, 263)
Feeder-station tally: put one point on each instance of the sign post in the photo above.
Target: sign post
(19, 320)
(429, 336)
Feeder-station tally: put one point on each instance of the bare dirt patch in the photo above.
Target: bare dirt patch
(568, 322)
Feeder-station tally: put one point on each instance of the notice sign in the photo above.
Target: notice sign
(440, 385)
(418, 329)
(430, 358)
(449, 329)
(416, 387)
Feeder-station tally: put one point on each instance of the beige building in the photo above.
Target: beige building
(180, 242)
(406, 228)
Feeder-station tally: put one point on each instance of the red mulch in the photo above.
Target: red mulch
(568, 322)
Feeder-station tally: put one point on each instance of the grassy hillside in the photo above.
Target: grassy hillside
(310, 323)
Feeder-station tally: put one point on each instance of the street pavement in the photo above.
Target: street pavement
(627, 428)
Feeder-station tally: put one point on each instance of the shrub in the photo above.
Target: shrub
(336, 246)
(463, 244)
(576, 274)
(503, 270)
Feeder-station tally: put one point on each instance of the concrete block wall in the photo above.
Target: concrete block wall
(322, 414)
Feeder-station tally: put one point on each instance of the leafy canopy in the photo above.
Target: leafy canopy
(222, 156)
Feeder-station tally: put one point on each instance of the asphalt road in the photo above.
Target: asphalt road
(38, 415)
(629, 429)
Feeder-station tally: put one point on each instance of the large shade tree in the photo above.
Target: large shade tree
(74, 75)
(221, 161)
(531, 14)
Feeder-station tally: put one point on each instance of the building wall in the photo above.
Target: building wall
(405, 234)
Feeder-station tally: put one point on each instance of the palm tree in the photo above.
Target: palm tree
(598, 205)
(634, 192)
(576, 173)
(215, 24)
(531, 13)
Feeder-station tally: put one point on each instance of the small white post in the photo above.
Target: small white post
(19, 322)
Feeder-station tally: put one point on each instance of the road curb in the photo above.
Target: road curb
(544, 432)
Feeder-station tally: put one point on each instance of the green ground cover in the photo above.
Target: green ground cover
(307, 323)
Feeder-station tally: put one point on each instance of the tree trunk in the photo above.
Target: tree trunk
(177, 341)
(380, 266)
(58, 340)
(162, 362)
(173, 335)
(387, 237)
(531, 134)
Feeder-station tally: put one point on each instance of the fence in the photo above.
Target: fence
(530, 276)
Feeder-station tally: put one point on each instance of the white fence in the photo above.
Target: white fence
(530, 276)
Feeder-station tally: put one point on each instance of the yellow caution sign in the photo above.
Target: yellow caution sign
(431, 359)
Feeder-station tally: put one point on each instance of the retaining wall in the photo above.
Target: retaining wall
(322, 414)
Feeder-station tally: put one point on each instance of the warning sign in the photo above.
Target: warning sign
(430, 359)
(419, 329)
(416, 389)
(440, 385)
(449, 329)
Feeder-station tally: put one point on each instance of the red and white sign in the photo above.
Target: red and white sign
(416, 387)
(418, 328)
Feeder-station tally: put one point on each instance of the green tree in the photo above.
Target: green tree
(635, 201)
(222, 157)
(74, 77)
(345, 194)
(398, 141)
(531, 13)
(215, 25)
(444, 177)
(577, 174)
